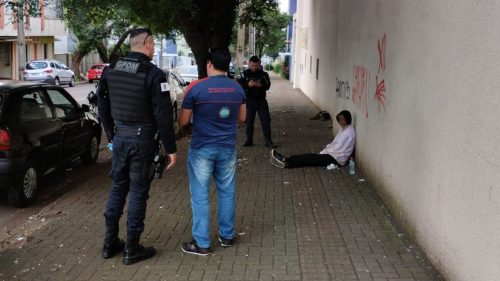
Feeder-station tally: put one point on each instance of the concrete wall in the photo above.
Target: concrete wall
(421, 79)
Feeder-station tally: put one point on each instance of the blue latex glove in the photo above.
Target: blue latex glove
(110, 146)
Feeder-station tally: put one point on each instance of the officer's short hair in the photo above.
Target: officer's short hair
(220, 57)
(138, 31)
(254, 59)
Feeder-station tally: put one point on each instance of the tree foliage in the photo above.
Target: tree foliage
(204, 23)
(23, 9)
(270, 34)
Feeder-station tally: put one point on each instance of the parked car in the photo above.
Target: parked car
(95, 71)
(177, 87)
(49, 71)
(41, 128)
(189, 73)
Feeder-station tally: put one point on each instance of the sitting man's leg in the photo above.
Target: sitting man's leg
(302, 160)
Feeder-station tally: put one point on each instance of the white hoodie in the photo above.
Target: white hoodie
(342, 146)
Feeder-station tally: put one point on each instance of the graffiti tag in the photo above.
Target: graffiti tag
(361, 81)
(343, 89)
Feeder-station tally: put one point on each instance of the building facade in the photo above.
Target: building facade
(39, 35)
(427, 137)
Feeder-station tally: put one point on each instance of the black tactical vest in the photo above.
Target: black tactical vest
(130, 100)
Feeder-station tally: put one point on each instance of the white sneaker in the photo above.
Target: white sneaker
(276, 161)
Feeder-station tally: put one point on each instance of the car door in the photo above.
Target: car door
(38, 127)
(74, 135)
(65, 72)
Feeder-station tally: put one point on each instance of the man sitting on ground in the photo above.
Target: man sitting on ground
(337, 152)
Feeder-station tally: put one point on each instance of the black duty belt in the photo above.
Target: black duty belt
(134, 131)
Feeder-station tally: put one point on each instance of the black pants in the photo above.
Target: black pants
(310, 159)
(132, 158)
(260, 106)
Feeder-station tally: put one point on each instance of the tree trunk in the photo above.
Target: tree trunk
(76, 60)
(212, 28)
(103, 52)
(114, 53)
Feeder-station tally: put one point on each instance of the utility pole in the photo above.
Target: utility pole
(21, 42)
(240, 44)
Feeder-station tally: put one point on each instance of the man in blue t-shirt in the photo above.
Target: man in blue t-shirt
(214, 106)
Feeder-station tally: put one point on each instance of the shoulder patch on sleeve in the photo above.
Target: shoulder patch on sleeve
(164, 87)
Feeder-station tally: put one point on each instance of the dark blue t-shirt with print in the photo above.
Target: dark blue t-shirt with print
(215, 102)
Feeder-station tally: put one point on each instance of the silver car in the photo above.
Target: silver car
(49, 71)
(189, 73)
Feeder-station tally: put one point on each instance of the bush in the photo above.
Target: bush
(277, 68)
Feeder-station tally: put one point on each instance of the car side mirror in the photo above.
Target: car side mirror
(85, 108)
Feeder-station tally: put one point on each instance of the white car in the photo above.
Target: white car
(177, 87)
(189, 73)
(49, 71)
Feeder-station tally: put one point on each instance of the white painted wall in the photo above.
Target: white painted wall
(433, 150)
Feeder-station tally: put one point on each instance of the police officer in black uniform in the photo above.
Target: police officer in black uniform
(134, 104)
(256, 82)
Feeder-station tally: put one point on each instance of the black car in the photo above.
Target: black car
(41, 128)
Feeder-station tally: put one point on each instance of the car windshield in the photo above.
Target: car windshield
(36, 65)
(191, 70)
(97, 66)
(1, 102)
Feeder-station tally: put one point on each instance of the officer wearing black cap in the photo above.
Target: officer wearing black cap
(134, 104)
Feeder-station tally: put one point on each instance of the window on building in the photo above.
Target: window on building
(317, 69)
(310, 64)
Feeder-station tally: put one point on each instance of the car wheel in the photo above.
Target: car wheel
(91, 81)
(72, 81)
(91, 152)
(25, 188)
(56, 81)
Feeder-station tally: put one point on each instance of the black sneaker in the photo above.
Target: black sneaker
(226, 242)
(192, 248)
(277, 159)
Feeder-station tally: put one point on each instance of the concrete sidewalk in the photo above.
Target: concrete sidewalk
(299, 224)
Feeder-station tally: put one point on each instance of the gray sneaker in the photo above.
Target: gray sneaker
(277, 159)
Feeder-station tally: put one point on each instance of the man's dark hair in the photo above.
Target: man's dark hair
(254, 59)
(138, 31)
(347, 116)
(220, 57)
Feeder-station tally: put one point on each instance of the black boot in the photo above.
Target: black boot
(112, 244)
(248, 143)
(270, 144)
(134, 252)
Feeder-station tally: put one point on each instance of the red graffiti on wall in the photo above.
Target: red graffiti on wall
(379, 93)
(381, 53)
(380, 89)
(361, 79)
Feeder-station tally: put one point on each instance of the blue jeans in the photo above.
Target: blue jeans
(203, 163)
(132, 159)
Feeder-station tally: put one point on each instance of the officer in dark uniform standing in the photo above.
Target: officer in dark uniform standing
(256, 82)
(134, 104)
